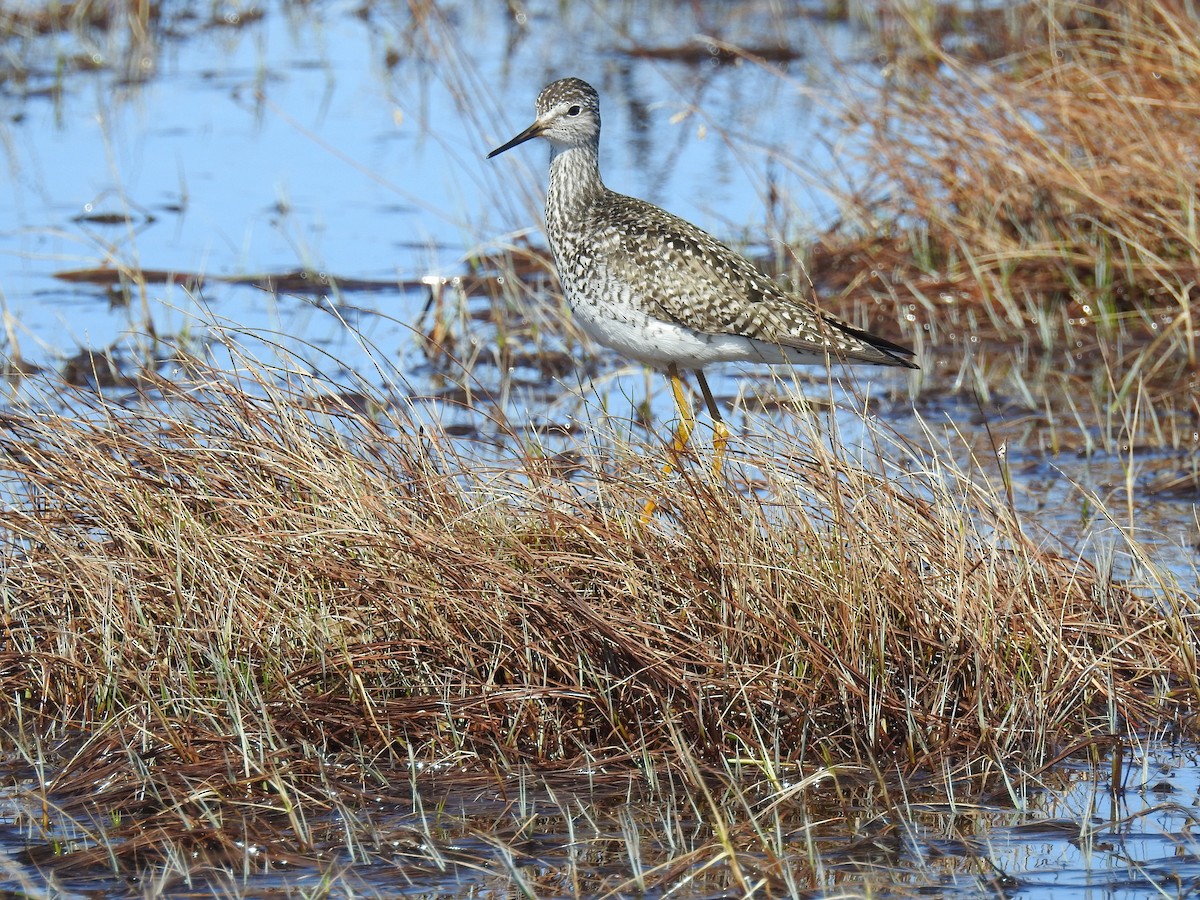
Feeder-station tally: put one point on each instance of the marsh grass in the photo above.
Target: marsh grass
(243, 608)
(1061, 166)
(1043, 202)
(48, 43)
(237, 610)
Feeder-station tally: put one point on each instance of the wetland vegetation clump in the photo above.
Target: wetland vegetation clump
(255, 602)
(1052, 191)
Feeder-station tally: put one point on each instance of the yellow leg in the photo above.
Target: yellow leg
(720, 432)
(720, 439)
(687, 419)
(687, 424)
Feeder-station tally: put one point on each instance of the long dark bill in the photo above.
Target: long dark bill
(528, 134)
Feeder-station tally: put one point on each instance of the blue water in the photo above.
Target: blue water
(285, 143)
(325, 138)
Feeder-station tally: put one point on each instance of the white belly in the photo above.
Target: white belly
(658, 343)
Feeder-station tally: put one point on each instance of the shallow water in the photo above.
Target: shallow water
(239, 142)
(245, 142)
(1073, 834)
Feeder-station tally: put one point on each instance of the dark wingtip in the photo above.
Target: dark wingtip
(896, 353)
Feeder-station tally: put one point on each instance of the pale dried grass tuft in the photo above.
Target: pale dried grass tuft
(249, 603)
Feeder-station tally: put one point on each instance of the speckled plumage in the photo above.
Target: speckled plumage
(657, 288)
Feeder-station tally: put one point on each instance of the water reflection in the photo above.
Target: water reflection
(459, 834)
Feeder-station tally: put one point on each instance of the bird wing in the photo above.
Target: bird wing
(683, 274)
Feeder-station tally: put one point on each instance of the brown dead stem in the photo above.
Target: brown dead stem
(236, 594)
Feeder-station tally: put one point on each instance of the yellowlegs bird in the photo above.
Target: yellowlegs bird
(658, 289)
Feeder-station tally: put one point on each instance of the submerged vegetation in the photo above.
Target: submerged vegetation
(247, 607)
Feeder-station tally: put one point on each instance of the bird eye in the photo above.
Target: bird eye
(574, 111)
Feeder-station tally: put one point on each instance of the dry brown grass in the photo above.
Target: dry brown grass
(239, 611)
(1047, 198)
(245, 605)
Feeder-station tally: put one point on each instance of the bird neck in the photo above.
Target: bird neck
(574, 183)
